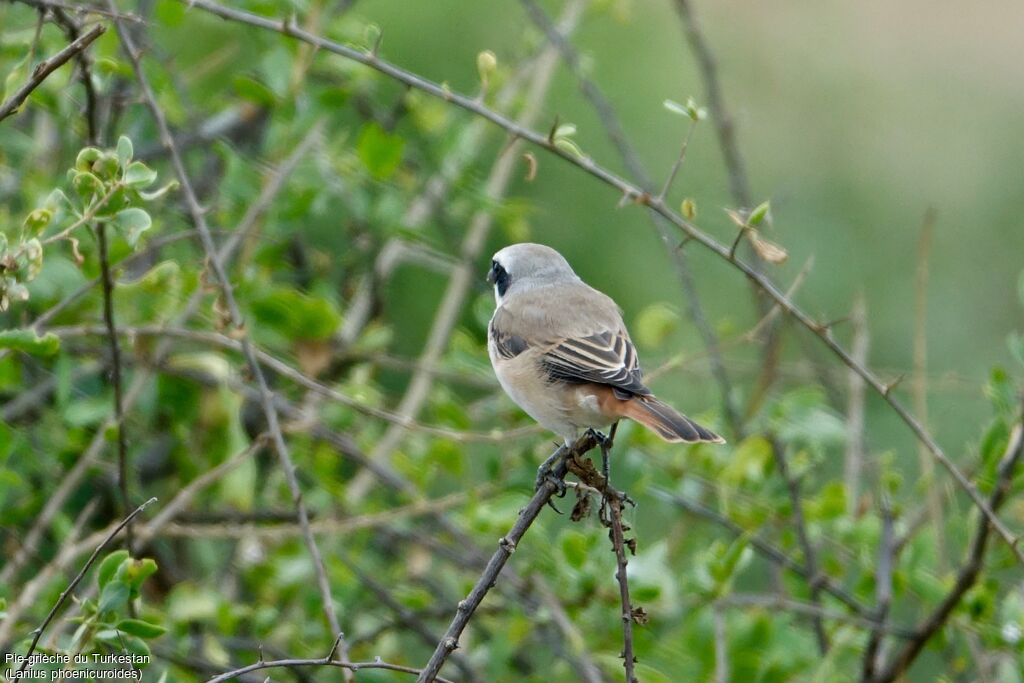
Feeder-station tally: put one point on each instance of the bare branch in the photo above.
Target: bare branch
(919, 386)
(883, 591)
(115, 376)
(329, 661)
(856, 448)
(619, 546)
(810, 555)
(506, 546)
(47, 67)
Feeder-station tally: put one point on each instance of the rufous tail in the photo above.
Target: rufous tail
(663, 420)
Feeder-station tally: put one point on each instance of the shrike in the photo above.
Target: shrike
(562, 353)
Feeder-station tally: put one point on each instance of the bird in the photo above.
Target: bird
(562, 353)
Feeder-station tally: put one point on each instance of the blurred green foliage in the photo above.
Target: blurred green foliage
(850, 151)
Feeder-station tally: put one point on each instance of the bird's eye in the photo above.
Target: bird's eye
(498, 276)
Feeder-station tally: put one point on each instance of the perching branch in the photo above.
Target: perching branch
(506, 546)
(238, 324)
(638, 196)
(47, 67)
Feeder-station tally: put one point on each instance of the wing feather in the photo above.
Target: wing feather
(590, 344)
(607, 357)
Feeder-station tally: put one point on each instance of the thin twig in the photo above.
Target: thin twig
(47, 67)
(329, 661)
(809, 553)
(739, 186)
(115, 376)
(287, 371)
(968, 574)
(619, 546)
(781, 602)
(238, 324)
(883, 591)
(678, 162)
(919, 386)
(633, 192)
(856, 447)
(37, 634)
(766, 549)
(506, 546)
(721, 643)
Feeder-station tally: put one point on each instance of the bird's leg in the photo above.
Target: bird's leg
(546, 472)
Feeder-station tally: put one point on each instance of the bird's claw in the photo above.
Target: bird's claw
(545, 474)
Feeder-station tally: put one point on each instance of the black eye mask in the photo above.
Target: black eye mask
(499, 277)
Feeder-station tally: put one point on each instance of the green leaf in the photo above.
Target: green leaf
(380, 151)
(124, 151)
(254, 91)
(159, 192)
(120, 641)
(569, 147)
(565, 130)
(114, 596)
(138, 175)
(29, 342)
(135, 572)
(759, 213)
(688, 209)
(142, 629)
(132, 222)
(296, 315)
(693, 111)
(676, 108)
(87, 157)
(655, 323)
(108, 567)
(574, 547)
(86, 184)
(486, 64)
(37, 221)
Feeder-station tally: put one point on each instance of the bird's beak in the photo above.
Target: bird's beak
(490, 276)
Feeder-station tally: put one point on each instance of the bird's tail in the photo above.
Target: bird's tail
(663, 420)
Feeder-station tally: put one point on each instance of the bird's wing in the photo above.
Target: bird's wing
(606, 357)
(578, 335)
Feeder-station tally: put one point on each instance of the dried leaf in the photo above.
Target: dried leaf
(769, 251)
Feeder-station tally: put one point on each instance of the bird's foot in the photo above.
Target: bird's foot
(546, 473)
